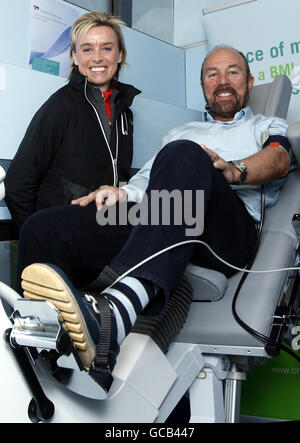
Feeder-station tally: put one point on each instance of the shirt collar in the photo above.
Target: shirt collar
(243, 113)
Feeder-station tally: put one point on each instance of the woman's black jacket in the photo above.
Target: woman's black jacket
(65, 153)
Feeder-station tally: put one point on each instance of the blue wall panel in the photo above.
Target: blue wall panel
(194, 60)
(155, 67)
(14, 32)
(152, 121)
(22, 91)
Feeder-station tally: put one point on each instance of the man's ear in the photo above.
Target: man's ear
(250, 82)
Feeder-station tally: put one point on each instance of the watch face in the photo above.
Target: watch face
(243, 168)
(241, 165)
(236, 164)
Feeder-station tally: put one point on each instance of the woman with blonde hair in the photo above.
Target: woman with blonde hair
(81, 138)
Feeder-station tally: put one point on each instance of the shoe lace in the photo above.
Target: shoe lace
(93, 301)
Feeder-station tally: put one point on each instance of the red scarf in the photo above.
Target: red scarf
(107, 96)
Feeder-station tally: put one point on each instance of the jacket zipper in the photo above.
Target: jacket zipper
(117, 154)
(113, 160)
(124, 126)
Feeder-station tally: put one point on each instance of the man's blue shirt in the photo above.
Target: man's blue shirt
(237, 139)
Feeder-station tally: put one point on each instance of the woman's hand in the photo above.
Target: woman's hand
(108, 195)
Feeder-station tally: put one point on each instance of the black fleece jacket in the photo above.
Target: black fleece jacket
(64, 154)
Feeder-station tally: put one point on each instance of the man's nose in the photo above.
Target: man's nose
(223, 79)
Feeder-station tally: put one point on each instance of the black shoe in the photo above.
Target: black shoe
(91, 323)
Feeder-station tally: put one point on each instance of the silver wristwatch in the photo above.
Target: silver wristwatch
(240, 165)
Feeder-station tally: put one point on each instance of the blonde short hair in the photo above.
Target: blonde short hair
(87, 21)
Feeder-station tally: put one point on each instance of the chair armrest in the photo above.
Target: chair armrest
(293, 134)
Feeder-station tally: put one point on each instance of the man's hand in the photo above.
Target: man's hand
(266, 165)
(229, 171)
(108, 195)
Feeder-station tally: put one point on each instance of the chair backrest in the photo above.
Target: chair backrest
(272, 98)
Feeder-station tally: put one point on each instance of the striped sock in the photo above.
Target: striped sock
(129, 297)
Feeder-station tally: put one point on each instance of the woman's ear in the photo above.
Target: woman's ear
(120, 57)
(74, 57)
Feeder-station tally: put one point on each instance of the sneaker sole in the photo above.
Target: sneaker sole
(41, 282)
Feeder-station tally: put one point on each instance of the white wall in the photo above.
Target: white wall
(179, 22)
(155, 67)
(188, 20)
(92, 5)
(194, 59)
(155, 17)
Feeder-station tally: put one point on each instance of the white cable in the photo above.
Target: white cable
(175, 245)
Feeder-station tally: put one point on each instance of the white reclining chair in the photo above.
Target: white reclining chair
(224, 335)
